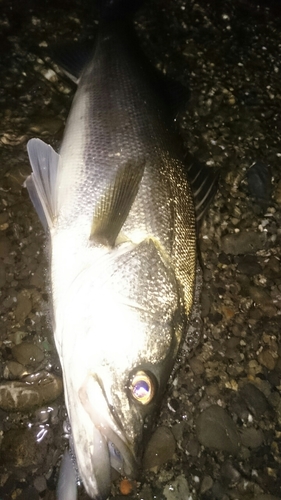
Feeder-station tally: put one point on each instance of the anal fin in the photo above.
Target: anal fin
(41, 184)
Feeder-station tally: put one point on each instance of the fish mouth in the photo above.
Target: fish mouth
(110, 447)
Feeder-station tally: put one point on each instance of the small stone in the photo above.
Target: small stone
(5, 247)
(248, 264)
(252, 438)
(206, 484)
(266, 359)
(215, 429)
(40, 483)
(28, 354)
(15, 369)
(196, 366)
(2, 276)
(177, 490)
(24, 306)
(160, 448)
(245, 242)
(254, 399)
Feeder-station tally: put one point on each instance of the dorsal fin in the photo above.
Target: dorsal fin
(114, 206)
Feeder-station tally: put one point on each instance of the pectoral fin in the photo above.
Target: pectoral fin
(115, 205)
(41, 183)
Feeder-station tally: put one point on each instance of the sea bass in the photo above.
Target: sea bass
(119, 211)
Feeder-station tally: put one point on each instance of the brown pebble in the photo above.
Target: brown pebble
(28, 354)
(23, 396)
(266, 359)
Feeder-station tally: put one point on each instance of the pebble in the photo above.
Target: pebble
(259, 182)
(23, 396)
(254, 399)
(40, 483)
(245, 242)
(160, 448)
(252, 438)
(24, 305)
(215, 429)
(22, 448)
(15, 370)
(5, 247)
(2, 276)
(28, 354)
(177, 489)
(267, 359)
(206, 484)
(196, 366)
(248, 264)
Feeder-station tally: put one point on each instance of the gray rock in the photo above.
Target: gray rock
(245, 242)
(206, 484)
(215, 429)
(160, 448)
(252, 438)
(177, 490)
(254, 399)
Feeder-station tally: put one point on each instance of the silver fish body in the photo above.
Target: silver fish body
(120, 214)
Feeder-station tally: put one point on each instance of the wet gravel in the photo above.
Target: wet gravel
(219, 433)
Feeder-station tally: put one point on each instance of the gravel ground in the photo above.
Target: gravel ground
(218, 435)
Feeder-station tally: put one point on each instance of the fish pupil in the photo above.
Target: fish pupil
(141, 389)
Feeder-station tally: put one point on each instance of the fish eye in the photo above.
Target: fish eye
(142, 387)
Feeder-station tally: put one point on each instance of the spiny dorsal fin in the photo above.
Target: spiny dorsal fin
(115, 205)
(41, 183)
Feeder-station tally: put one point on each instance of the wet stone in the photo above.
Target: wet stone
(24, 305)
(254, 399)
(15, 370)
(196, 366)
(215, 429)
(229, 474)
(160, 448)
(5, 247)
(2, 276)
(23, 396)
(267, 359)
(40, 483)
(29, 493)
(206, 484)
(252, 438)
(245, 242)
(28, 354)
(248, 265)
(22, 448)
(177, 489)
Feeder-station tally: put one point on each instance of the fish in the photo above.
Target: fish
(118, 209)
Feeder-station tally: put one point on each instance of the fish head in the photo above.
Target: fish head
(116, 369)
